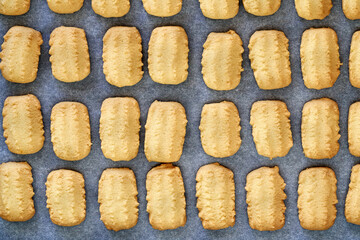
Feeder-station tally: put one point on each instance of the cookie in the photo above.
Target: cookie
(16, 192)
(313, 9)
(168, 55)
(351, 9)
(222, 60)
(69, 54)
(20, 54)
(162, 8)
(271, 128)
(262, 7)
(352, 209)
(317, 198)
(70, 131)
(219, 9)
(65, 194)
(354, 129)
(215, 192)
(220, 129)
(119, 128)
(65, 6)
(354, 60)
(320, 59)
(165, 131)
(23, 124)
(111, 8)
(265, 199)
(269, 56)
(320, 128)
(165, 197)
(14, 8)
(118, 199)
(122, 56)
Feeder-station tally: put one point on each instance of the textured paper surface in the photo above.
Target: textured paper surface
(192, 94)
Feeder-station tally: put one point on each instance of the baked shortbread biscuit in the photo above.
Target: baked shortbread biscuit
(165, 197)
(118, 199)
(65, 6)
(317, 198)
(220, 129)
(261, 7)
(16, 192)
(69, 54)
(354, 129)
(354, 60)
(65, 194)
(215, 192)
(320, 59)
(352, 208)
(222, 60)
(265, 198)
(165, 131)
(111, 8)
(20, 54)
(14, 8)
(313, 9)
(269, 56)
(351, 9)
(23, 124)
(168, 55)
(162, 8)
(70, 131)
(122, 55)
(219, 9)
(320, 128)
(271, 128)
(119, 128)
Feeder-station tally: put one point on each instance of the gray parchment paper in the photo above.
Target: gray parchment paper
(193, 94)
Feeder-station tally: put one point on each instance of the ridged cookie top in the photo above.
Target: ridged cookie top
(70, 131)
(351, 9)
(261, 7)
(215, 190)
(111, 8)
(118, 198)
(119, 128)
(220, 129)
(65, 194)
(16, 192)
(320, 59)
(352, 210)
(165, 131)
(65, 6)
(166, 197)
(320, 128)
(222, 60)
(20, 54)
(269, 56)
(168, 55)
(265, 198)
(122, 55)
(162, 8)
(219, 9)
(14, 7)
(70, 61)
(354, 60)
(317, 198)
(23, 124)
(271, 128)
(354, 129)
(313, 9)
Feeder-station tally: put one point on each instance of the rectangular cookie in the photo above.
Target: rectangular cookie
(70, 131)
(261, 7)
(215, 192)
(14, 7)
(16, 192)
(354, 129)
(65, 194)
(20, 54)
(317, 198)
(220, 129)
(165, 131)
(23, 124)
(168, 55)
(122, 56)
(220, 9)
(354, 59)
(352, 208)
(320, 128)
(118, 198)
(351, 9)
(65, 6)
(265, 198)
(165, 197)
(313, 9)
(269, 56)
(111, 8)
(271, 128)
(162, 8)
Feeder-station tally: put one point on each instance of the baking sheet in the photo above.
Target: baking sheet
(192, 94)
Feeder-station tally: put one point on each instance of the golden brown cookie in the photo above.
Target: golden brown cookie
(219, 9)
(313, 9)
(354, 129)
(352, 208)
(65, 6)
(162, 8)
(111, 8)
(14, 7)
(351, 9)
(261, 7)
(354, 60)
